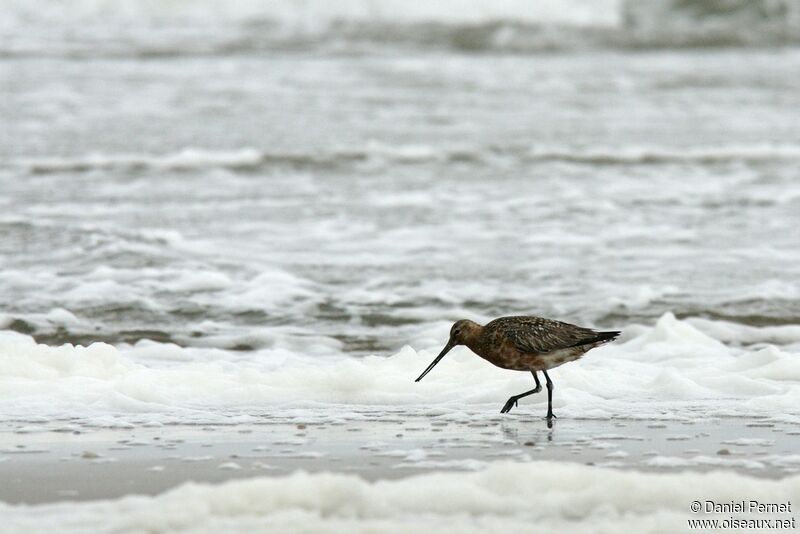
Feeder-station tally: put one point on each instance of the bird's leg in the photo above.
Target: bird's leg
(549, 383)
(513, 400)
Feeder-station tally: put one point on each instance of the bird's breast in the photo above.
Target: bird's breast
(507, 356)
(504, 354)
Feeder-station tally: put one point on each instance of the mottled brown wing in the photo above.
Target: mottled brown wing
(536, 334)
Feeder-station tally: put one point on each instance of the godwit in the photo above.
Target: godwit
(524, 343)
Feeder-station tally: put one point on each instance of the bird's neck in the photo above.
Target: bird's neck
(472, 336)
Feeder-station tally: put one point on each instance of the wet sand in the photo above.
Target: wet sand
(46, 463)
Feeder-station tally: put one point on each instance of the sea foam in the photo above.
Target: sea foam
(670, 369)
(509, 497)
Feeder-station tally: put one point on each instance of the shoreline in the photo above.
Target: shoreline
(49, 466)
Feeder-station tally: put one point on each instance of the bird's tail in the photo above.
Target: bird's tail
(611, 335)
(599, 337)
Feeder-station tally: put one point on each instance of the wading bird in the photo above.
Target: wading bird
(524, 343)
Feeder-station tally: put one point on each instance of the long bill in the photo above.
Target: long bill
(445, 350)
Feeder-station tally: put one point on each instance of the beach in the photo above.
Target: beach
(379, 472)
(95, 464)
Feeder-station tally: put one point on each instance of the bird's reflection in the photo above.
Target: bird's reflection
(512, 433)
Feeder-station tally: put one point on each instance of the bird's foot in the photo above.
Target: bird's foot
(509, 404)
(550, 417)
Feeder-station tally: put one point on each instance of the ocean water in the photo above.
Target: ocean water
(257, 179)
(263, 187)
(237, 211)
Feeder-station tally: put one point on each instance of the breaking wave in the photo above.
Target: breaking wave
(211, 27)
(249, 159)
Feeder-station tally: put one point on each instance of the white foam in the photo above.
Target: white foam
(733, 332)
(555, 497)
(750, 442)
(199, 281)
(700, 460)
(668, 368)
(230, 466)
(188, 158)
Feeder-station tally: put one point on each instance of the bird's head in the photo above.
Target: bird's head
(460, 333)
